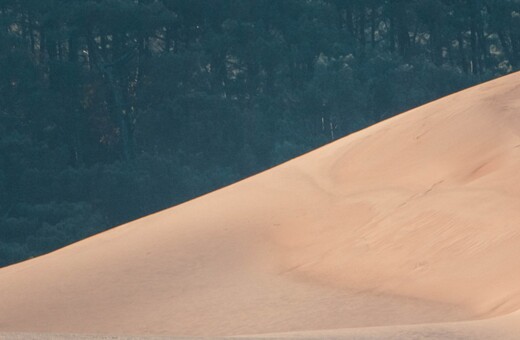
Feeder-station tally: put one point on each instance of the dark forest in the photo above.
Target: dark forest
(114, 109)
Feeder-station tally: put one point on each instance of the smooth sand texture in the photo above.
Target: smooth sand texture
(415, 220)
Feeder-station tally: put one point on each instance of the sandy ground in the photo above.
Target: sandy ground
(407, 229)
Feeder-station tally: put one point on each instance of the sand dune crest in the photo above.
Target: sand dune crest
(414, 220)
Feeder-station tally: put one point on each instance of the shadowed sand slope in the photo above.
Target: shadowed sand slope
(415, 220)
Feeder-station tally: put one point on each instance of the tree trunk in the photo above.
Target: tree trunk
(475, 64)
(462, 54)
(373, 26)
(120, 107)
(361, 32)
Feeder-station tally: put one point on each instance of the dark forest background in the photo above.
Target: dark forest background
(114, 109)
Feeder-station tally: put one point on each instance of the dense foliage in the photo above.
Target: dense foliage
(113, 109)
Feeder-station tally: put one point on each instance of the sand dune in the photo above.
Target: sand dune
(409, 228)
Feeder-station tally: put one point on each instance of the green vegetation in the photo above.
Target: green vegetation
(114, 109)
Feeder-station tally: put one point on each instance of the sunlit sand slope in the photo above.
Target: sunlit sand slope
(415, 220)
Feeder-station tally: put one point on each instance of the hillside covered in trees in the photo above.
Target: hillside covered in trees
(114, 109)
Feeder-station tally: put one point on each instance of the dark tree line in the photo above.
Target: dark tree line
(113, 109)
